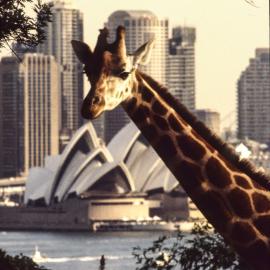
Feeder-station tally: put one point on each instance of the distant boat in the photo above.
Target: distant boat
(154, 225)
(38, 257)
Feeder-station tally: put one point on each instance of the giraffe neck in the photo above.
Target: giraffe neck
(237, 206)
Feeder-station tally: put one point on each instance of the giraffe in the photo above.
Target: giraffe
(232, 195)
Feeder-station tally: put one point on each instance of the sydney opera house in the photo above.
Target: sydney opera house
(122, 181)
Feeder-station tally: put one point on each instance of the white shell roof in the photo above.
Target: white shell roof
(87, 180)
(38, 184)
(92, 142)
(79, 164)
(143, 166)
(161, 178)
(83, 179)
(135, 153)
(86, 160)
(52, 162)
(121, 143)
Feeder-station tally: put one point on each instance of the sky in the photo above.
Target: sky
(228, 31)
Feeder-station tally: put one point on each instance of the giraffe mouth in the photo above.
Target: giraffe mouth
(88, 113)
(92, 106)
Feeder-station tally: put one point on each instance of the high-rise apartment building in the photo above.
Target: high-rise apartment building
(67, 24)
(181, 65)
(30, 119)
(210, 118)
(140, 26)
(254, 98)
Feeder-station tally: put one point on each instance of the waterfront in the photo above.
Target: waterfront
(79, 250)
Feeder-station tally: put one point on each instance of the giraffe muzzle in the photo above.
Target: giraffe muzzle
(92, 107)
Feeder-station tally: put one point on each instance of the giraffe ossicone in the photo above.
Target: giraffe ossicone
(232, 195)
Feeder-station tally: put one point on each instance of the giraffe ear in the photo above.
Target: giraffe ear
(82, 51)
(143, 54)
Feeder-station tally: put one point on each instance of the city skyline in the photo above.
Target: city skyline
(221, 40)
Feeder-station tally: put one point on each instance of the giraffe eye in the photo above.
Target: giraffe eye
(123, 75)
(96, 100)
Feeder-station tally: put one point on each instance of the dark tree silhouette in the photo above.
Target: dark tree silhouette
(203, 249)
(18, 262)
(23, 22)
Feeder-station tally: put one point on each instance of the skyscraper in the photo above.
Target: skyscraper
(41, 103)
(140, 26)
(67, 24)
(181, 65)
(30, 118)
(254, 98)
(11, 118)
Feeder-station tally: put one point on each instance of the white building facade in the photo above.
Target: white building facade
(39, 74)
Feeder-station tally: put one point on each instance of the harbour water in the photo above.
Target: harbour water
(79, 250)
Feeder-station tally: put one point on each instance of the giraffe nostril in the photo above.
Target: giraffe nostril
(96, 100)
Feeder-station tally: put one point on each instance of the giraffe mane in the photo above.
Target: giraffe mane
(225, 149)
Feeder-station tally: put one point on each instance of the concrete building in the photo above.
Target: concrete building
(30, 119)
(41, 108)
(181, 65)
(253, 93)
(210, 118)
(140, 26)
(11, 118)
(67, 24)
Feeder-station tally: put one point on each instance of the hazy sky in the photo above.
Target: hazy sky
(228, 31)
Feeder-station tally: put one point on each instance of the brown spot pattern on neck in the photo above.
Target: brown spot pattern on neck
(219, 183)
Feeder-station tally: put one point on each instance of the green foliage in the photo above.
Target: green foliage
(17, 25)
(203, 249)
(18, 262)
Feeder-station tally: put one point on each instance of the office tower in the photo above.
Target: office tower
(210, 118)
(140, 26)
(253, 92)
(30, 119)
(11, 118)
(181, 65)
(41, 107)
(67, 24)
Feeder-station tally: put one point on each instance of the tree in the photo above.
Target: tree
(251, 2)
(18, 262)
(23, 21)
(203, 249)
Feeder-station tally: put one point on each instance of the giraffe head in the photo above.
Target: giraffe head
(110, 70)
